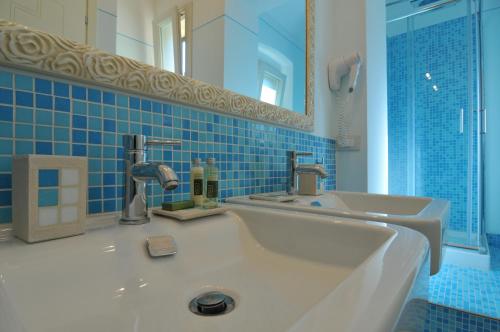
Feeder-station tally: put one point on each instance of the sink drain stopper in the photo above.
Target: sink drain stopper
(212, 304)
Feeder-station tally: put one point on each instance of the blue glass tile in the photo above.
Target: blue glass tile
(48, 197)
(109, 125)
(5, 164)
(5, 146)
(95, 207)
(94, 193)
(109, 205)
(109, 192)
(109, 139)
(6, 96)
(61, 89)
(43, 133)
(108, 179)
(48, 177)
(24, 82)
(94, 95)
(135, 116)
(79, 107)
(62, 149)
(43, 86)
(157, 107)
(24, 98)
(62, 104)
(61, 134)
(167, 109)
(146, 118)
(24, 131)
(24, 147)
(95, 123)
(5, 129)
(95, 137)
(44, 101)
(122, 101)
(147, 130)
(5, 181)
(6, 113)
(79, 136)
(43, 148)
(5, 79)
(44, 117)
(95, 110)
(122, 127)
(109, 112)
(122, 114)
(135, 129)
(108, 98)
(5, 215)
(108, 152)
(79, 150)
(135, 103)
(94, 151)
(79, 122)
(61, 119)
(146, 105)
(79, 92)
(5, 198)
(24, 115)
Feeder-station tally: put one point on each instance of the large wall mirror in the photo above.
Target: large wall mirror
(262, 49)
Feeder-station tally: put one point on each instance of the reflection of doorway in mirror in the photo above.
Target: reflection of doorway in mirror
(66, 18)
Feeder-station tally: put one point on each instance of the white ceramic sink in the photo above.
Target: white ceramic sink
(286, 271)
(426, 215)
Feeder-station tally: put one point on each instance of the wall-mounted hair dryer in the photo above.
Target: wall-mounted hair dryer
(341, 67)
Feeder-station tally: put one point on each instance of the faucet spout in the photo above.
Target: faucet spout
(315, 169)
(166, 176)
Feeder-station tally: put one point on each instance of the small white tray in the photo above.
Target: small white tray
(189, 214)
(274, 197)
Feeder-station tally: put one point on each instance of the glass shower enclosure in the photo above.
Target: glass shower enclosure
(433, 102)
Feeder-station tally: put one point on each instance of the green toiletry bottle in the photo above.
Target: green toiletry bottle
(197, 183)
(211, 184)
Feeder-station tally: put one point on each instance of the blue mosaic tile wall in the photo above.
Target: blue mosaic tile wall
(46, 116)
(440, 151)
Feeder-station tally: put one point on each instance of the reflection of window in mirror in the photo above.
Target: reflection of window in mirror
(272, 84)
(173, 41)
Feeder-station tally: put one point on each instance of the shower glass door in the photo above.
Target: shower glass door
(433, 136)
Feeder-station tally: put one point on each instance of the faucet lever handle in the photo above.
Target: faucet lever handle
(163, 142)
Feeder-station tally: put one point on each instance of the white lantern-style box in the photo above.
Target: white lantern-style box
(49, 197)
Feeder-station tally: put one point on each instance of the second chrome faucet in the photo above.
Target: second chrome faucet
(293, 169)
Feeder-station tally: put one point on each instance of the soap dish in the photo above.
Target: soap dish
(274, 197)
(189, 214)
(163, 245)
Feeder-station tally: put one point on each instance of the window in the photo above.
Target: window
(183, 41)
(173, 41)
(270, 89)
(272, 84)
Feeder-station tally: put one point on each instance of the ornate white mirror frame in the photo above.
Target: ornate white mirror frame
(29, 49)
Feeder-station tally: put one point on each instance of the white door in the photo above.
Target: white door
(61, 17)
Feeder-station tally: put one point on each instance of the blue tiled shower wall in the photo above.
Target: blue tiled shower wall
(440, 150)
(42, 115)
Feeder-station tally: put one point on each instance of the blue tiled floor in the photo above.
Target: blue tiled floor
(468, 289)
(443, 319)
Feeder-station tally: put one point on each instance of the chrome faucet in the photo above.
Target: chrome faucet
(137, 171)
(293, 168)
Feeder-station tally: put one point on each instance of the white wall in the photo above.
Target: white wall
(106, 25)
(344, 27)
(376, 99)
(134, 36)
(491, 27)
